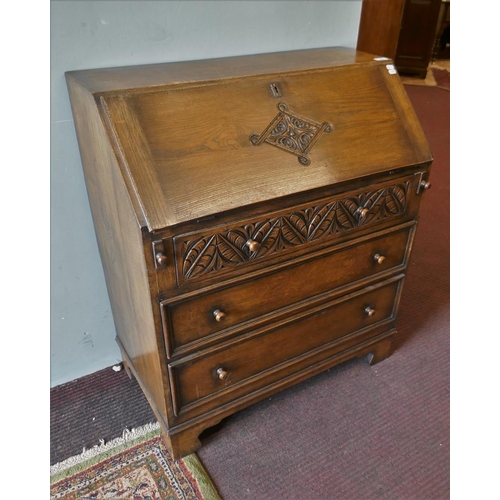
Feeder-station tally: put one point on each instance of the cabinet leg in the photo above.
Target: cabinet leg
(185, 442)
(381, 351)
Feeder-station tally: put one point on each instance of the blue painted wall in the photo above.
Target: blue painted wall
(93, 34)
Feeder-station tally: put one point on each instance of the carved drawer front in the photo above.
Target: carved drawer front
(206, 254)
(216, 376)
(224, 310)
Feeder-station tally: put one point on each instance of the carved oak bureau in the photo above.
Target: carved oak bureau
(254, 216)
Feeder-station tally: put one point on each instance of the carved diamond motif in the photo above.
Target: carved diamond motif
(292, 133)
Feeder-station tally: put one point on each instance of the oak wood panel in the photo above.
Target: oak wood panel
(137, 159)
(195, 377)
(183, 72)
(188, 321)
(214, 132)
(121, 246)
(379, 27)
(409, 118)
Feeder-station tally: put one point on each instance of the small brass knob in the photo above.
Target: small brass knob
(363, 212)
(219, 315)
(222, 374)
(378, 258)
(161, 258)
(252, 245)
(425, 185)
(369, 311)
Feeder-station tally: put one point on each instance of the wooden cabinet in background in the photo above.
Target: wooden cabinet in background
(402, 30)
(255, 217)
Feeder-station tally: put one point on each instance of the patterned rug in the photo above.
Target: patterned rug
(136, 466)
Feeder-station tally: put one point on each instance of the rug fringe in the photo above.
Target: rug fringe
(127, 436)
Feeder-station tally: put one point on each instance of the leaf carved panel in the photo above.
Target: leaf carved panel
(219, 251)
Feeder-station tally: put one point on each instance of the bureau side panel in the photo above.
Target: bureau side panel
(122, 246)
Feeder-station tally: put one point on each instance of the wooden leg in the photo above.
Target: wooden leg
(185, 442)
(381, 351)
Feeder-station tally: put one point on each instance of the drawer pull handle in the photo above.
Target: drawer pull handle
(425, 185)
(363, 212)
(252, 245)
(369, 311)
(378, 258)
(222, 374)
(161, 258)
(219, 315)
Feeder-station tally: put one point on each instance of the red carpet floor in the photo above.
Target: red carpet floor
(442, 78)
(354, 432)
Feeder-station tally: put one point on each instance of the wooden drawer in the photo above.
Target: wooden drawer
(221, 311)
(220, 252)
(269, 352)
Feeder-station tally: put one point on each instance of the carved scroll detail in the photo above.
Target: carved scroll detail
(292, 133)
(224, 250)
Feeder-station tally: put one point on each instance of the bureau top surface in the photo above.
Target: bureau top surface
(183, 72)
(204, 137)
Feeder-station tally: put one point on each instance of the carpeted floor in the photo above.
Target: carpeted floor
(354, 432)
(99, 406)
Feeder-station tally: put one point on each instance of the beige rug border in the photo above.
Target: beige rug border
(129, 438)
(100, 449)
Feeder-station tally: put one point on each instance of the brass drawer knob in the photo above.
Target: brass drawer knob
(378, 258)
(252, 245)
(219, 315)
(363, 212)
(425, 185)
(222, 374)
(161, 258)
(369, 311)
